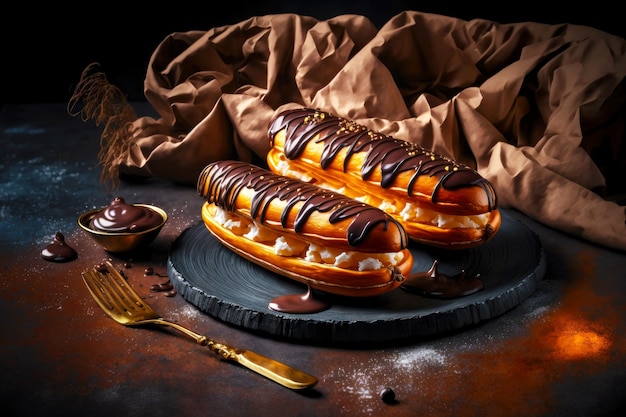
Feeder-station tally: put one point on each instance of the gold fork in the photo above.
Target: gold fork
(118, 300)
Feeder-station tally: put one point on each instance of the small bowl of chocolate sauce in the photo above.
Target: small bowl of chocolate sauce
(123, 227)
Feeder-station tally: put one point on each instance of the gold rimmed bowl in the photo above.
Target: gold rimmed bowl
(118, 242)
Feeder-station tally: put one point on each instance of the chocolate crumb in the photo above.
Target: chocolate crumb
(388, 396)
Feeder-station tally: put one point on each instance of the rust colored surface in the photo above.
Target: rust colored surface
(560, 352)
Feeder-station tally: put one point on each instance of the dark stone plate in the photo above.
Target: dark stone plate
(230, 288)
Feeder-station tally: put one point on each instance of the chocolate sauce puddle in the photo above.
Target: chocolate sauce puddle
(58, 250)
(298, 303)
(434, 284)
(165, 287)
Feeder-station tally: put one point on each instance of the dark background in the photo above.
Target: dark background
(47, 46)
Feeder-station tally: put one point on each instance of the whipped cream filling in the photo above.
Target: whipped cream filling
(289, 246)
(408, 211)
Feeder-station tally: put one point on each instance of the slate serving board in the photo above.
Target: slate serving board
(237, 291)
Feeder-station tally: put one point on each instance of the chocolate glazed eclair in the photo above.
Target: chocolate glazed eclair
(439, 201)
(312, 235)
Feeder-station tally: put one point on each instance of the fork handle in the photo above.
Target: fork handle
(218, 348)
(224, 351)
(270, 368)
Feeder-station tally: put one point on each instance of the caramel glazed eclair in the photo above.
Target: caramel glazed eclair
(301, 231)
(439, 202)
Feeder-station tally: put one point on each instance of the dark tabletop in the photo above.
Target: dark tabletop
(560, 352)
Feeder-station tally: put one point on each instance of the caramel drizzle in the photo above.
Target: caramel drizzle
(389, 155)
(221, 183)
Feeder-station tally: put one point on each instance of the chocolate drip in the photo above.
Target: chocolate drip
(434, 284)
(298, 303)
(224, 180)
(58, 250)
(389, 155)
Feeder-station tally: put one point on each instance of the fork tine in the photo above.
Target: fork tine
(116, 297)
(94, 284)
(123, 295)
(101, 296)
(120, 292)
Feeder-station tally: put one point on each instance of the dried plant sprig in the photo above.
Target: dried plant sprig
(95, 98)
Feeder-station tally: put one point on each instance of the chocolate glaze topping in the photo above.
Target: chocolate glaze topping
(119, 216)
(226, 179)
(390, 155)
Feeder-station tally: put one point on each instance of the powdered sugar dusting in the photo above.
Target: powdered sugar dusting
(186, 312)
(417, 359)
(363, 382)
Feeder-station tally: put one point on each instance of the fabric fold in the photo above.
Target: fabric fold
(537, 109)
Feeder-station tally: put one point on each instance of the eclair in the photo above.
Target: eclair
(315, 236)
(440, 202)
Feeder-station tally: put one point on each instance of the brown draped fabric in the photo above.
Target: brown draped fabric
(537, 109)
